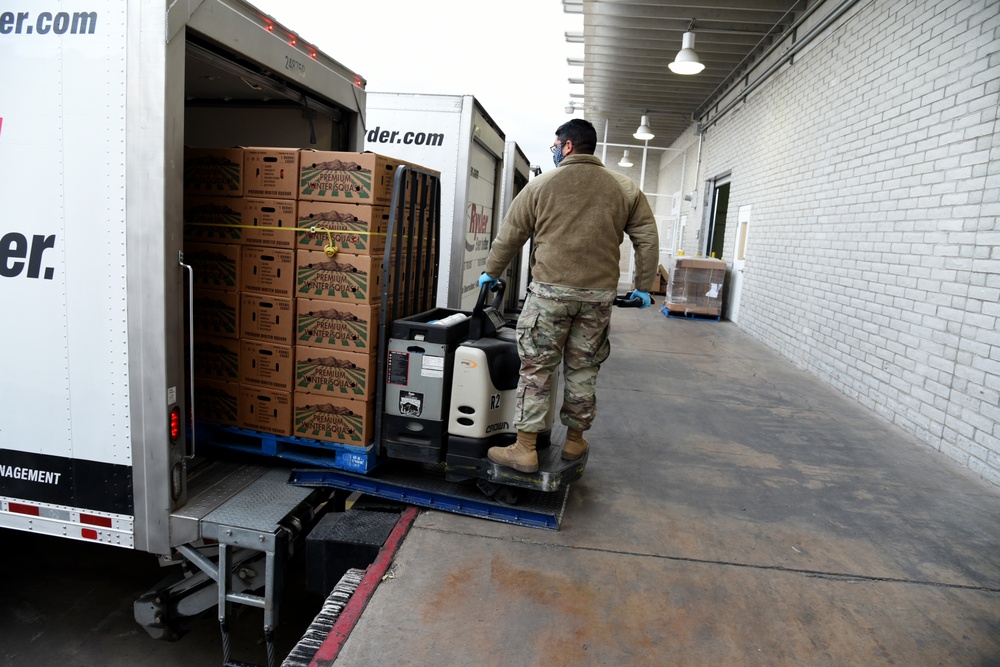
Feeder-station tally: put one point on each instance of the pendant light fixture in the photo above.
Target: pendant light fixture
(686, 61)
(643, 133)
(625, 162)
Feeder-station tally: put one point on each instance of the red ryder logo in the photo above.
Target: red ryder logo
(479, 221)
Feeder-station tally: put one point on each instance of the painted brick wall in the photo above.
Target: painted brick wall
(872, 165)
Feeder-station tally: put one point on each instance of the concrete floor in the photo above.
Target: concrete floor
(735, 511)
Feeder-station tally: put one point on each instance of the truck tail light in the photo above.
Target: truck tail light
(175, 423)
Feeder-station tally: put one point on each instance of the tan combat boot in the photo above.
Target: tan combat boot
(575, 445)
(519, 456)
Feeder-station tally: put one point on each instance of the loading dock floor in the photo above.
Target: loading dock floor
(734, 511)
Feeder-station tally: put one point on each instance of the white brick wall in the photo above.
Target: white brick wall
(873, 168)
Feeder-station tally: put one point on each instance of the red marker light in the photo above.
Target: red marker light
(30, 510)
(175, 423)
(92, 520)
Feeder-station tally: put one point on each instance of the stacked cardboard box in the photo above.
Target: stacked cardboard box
(695, 286)
(289, 263)
(213, 191)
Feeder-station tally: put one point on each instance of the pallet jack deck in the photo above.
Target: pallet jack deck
(424, 485)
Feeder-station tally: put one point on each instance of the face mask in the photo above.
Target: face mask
(558, 156)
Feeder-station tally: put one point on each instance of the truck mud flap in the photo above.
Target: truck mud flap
(424, 486)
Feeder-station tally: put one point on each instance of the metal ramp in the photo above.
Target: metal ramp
(424, 485)
(249, 526)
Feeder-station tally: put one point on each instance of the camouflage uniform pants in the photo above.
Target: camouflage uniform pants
(551, 332)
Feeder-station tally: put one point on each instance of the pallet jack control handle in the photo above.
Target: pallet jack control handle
(626, 301)
(487, 318)
(500, 286)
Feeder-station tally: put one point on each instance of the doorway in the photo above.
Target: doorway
(715, 232)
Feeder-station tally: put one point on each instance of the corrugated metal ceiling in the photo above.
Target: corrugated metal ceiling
(628, 45)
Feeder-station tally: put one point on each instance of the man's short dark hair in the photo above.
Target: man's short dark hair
(581, 133)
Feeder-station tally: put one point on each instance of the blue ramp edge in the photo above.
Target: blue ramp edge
(423, 489)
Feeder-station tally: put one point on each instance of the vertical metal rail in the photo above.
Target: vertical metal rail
(190, 385)
(409, 264)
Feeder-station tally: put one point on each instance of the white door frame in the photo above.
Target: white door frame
(739, 263)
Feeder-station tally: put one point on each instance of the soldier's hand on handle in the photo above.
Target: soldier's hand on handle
(485, 279)
(642, 296)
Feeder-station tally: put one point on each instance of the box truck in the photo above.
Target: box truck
(96, 397)
(452, 134)
(517, 171)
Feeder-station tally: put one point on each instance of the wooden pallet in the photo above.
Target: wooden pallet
(318, 453)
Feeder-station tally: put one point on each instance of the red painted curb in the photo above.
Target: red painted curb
(341, 630)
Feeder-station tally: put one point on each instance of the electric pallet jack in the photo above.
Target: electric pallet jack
(451, 379)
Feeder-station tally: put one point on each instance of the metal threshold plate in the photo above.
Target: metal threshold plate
(259, 507)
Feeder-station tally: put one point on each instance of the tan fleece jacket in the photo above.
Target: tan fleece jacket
(578, 215)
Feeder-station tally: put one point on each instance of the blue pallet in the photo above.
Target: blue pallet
(301, 450)
(690, 316)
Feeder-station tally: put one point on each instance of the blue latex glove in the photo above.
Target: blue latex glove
(643, 296)
(485, 279)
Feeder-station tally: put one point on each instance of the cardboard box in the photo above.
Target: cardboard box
(217, 358)
(265, 410)
(213, 171)
(352, 228)
(267, 365)
(270, 319)
(216, 313)
(336, 373)
(709, 263)
(215, 265)
(696, 285)
(343, 277)
(271, 172)
(337, 420)
(217, 402)
(268, 271)
(358, 178)
(660, 281)
(273, 222)
(213, 220)
(336, 326)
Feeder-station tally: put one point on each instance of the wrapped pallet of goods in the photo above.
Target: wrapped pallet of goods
(694, 288)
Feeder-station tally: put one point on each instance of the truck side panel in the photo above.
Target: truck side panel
(65, 454)
(452, 134)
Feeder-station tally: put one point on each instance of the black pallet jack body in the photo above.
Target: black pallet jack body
(454, 417)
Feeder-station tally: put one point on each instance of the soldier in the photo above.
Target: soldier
(578, 215)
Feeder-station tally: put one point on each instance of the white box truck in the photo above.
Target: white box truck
(95, 398)
(452, 134)
(517, 171)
